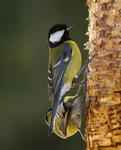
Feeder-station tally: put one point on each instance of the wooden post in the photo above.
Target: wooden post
(103, 124)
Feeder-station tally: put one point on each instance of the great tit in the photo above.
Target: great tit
(68, 117)
(65, 62)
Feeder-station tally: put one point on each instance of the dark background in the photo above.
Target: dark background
(24, 26)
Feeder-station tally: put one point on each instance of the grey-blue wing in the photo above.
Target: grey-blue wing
(59, 69)
(55, 73)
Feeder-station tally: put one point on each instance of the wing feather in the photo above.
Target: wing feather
(57, 80)
(55, 73)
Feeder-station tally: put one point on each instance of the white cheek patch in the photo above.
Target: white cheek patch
(56, 37)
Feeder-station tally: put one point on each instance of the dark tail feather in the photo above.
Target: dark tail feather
(54, 110)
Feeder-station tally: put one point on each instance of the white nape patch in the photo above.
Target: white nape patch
(56, 37)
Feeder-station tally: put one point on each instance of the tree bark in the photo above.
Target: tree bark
(103, 122)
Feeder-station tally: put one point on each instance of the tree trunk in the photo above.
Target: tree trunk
(103, 123)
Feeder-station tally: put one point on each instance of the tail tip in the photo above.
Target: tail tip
(50, 130)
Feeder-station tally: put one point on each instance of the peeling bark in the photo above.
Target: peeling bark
(103, 123)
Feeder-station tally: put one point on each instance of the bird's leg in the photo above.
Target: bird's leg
(81, 70)
(83, 136)
(78, 84)
(81, 84)
(83, 67)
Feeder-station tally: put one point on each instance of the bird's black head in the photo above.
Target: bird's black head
(58, 34)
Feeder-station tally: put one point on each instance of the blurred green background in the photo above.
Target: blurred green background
(23, 70)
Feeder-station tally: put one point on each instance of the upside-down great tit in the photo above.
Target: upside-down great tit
(68, 117)
(65, 62)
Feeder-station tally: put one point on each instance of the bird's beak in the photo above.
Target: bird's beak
(69, 28)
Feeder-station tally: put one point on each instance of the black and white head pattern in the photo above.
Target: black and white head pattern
(58, 34)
